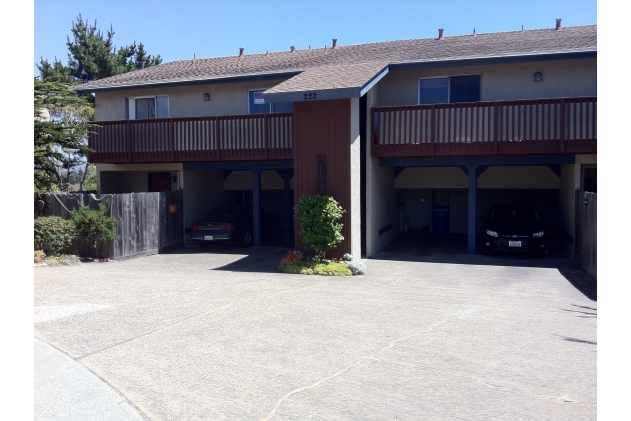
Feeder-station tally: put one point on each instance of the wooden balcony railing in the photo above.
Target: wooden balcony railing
(223, 138)
(540, 126)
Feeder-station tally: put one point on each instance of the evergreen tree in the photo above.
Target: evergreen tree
(92, 55)
(61, 124)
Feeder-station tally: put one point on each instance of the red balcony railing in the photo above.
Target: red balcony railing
(540, 126)
(223, 138)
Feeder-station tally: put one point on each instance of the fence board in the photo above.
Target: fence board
(585, 244)
(144, 224)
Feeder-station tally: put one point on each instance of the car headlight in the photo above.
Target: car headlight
(492, 233)
(539, 234)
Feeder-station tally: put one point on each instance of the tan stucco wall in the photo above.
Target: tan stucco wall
(133, 177)
(514, 177)
(382, 203)
(510, 177)
(571, 178)
(432, 178)
(184, 101)
(561, 78)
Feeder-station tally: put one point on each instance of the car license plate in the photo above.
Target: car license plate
(208, 237)
(514, 244)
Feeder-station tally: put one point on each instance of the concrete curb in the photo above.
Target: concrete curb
(65, 390)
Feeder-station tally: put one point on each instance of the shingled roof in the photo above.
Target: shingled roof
(354, 66)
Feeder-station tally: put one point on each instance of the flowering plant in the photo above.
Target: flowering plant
(292, 255)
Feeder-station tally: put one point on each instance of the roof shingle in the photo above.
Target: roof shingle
(351, 66)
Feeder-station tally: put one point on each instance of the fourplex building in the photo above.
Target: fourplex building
(392, 130)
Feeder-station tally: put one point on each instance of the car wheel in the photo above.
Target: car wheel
(247, 239)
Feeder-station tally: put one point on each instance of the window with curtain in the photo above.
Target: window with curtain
(147, 107)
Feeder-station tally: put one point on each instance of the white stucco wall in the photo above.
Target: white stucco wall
(355, 167)
(184, 101)
(382, 203)
(561, 78)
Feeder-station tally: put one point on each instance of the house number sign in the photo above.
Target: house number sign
(310, 95)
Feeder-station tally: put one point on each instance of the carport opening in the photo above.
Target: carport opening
(276, 212)
(434, 221)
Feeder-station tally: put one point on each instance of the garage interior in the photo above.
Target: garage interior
(433, 213)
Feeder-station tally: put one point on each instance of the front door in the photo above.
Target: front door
(159, 181)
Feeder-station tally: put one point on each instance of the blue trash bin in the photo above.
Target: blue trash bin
(441, 221)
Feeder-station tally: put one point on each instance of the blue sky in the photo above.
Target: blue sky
(177, 30)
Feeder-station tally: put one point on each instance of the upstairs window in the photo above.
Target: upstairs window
(258, 106)
(444, 90)
(138, 108)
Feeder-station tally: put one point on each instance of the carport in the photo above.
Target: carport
(211, 184)
(540, 180)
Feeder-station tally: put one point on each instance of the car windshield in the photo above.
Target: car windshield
(514, 214)
(226, 212)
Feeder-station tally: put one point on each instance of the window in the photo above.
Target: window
(443, 90)
(258, 106)
(137, 108)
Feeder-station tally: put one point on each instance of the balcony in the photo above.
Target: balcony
(223, 138)
(526, 127)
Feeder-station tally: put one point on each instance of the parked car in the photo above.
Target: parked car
(515, 227)
(232, 225)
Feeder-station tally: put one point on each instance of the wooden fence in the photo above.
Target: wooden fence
(146, 223)
(585, 241)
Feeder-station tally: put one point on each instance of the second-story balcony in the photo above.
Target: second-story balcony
(221, 138)
(525, 127)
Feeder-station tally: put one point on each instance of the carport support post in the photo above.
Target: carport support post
(256, 205)
(288, 213)
(472, 171)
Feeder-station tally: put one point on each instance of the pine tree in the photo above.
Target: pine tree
(92, 55)
(61, 124)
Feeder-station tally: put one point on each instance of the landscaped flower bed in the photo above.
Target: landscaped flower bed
(296, 262)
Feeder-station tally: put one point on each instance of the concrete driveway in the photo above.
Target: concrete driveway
(220, 335)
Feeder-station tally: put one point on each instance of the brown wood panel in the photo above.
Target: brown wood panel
(323, 128)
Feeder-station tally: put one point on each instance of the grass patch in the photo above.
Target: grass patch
(313, 267)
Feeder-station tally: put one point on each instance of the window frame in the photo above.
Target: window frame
(271, 104)
(418, 86)
(258, 90)
(130, 106)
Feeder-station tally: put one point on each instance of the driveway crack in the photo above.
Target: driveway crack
(372, 356)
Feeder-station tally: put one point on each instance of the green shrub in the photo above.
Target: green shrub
(315, 267)
(94, 225)
(38, 256)
(319, 218)
(54, 235)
